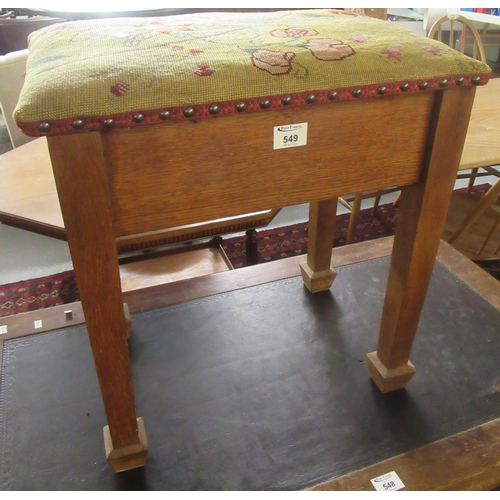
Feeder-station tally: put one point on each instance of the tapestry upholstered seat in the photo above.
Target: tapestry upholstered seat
(91, 75)
(162, 122)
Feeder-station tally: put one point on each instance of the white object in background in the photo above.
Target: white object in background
(408, 19)
(431, 16)
(12, 71)
(407, 14)
(415, 27)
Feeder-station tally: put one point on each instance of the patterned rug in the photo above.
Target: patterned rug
(273, 244)
(38, 293)
(288, 241)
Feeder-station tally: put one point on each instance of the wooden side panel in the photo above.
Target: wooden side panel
(182, 173)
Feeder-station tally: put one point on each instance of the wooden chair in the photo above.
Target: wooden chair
(493, 230)
(472, 225)
(353, 203)
(463, 36)
(258, 114)
(474, 222)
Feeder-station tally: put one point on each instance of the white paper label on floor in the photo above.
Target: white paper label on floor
(387, 482)
(38, 323)
(3, 329)
(290, 136)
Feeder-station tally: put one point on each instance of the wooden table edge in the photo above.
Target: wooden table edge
(466, 461)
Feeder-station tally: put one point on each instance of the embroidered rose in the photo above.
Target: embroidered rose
(119, 89)
(327, 49)
(203, 70)
(434, 50)
(195, 52)
(272, 61)
(360, 38)
(392, 53)
(293, 32)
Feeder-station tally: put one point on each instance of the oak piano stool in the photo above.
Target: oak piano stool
(169, 121)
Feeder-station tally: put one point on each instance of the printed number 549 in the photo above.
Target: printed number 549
(290, 138)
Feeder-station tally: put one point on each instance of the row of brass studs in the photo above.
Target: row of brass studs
(264, 104)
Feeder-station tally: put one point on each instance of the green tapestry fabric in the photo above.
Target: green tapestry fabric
(143, 70)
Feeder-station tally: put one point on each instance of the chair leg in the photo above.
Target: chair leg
(252, 251)
(478, 210)
(396, 201)
(317, 273)
(489, 236)
(353, 219)
(345, 203)
(473, 174)
(375, 205)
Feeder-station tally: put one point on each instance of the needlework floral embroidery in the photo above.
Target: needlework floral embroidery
(326, 49)
(92, 70)
(392, 53)
(272, 61)
(293, 32)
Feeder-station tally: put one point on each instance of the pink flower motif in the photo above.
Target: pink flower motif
(293, 32)
(327, 49)
(177, 47)
(119, 89)
(360, 38)
(392, 53)
(434, 50)
(204, 70)
(195, 52)
(186, 27)
(274, 62)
